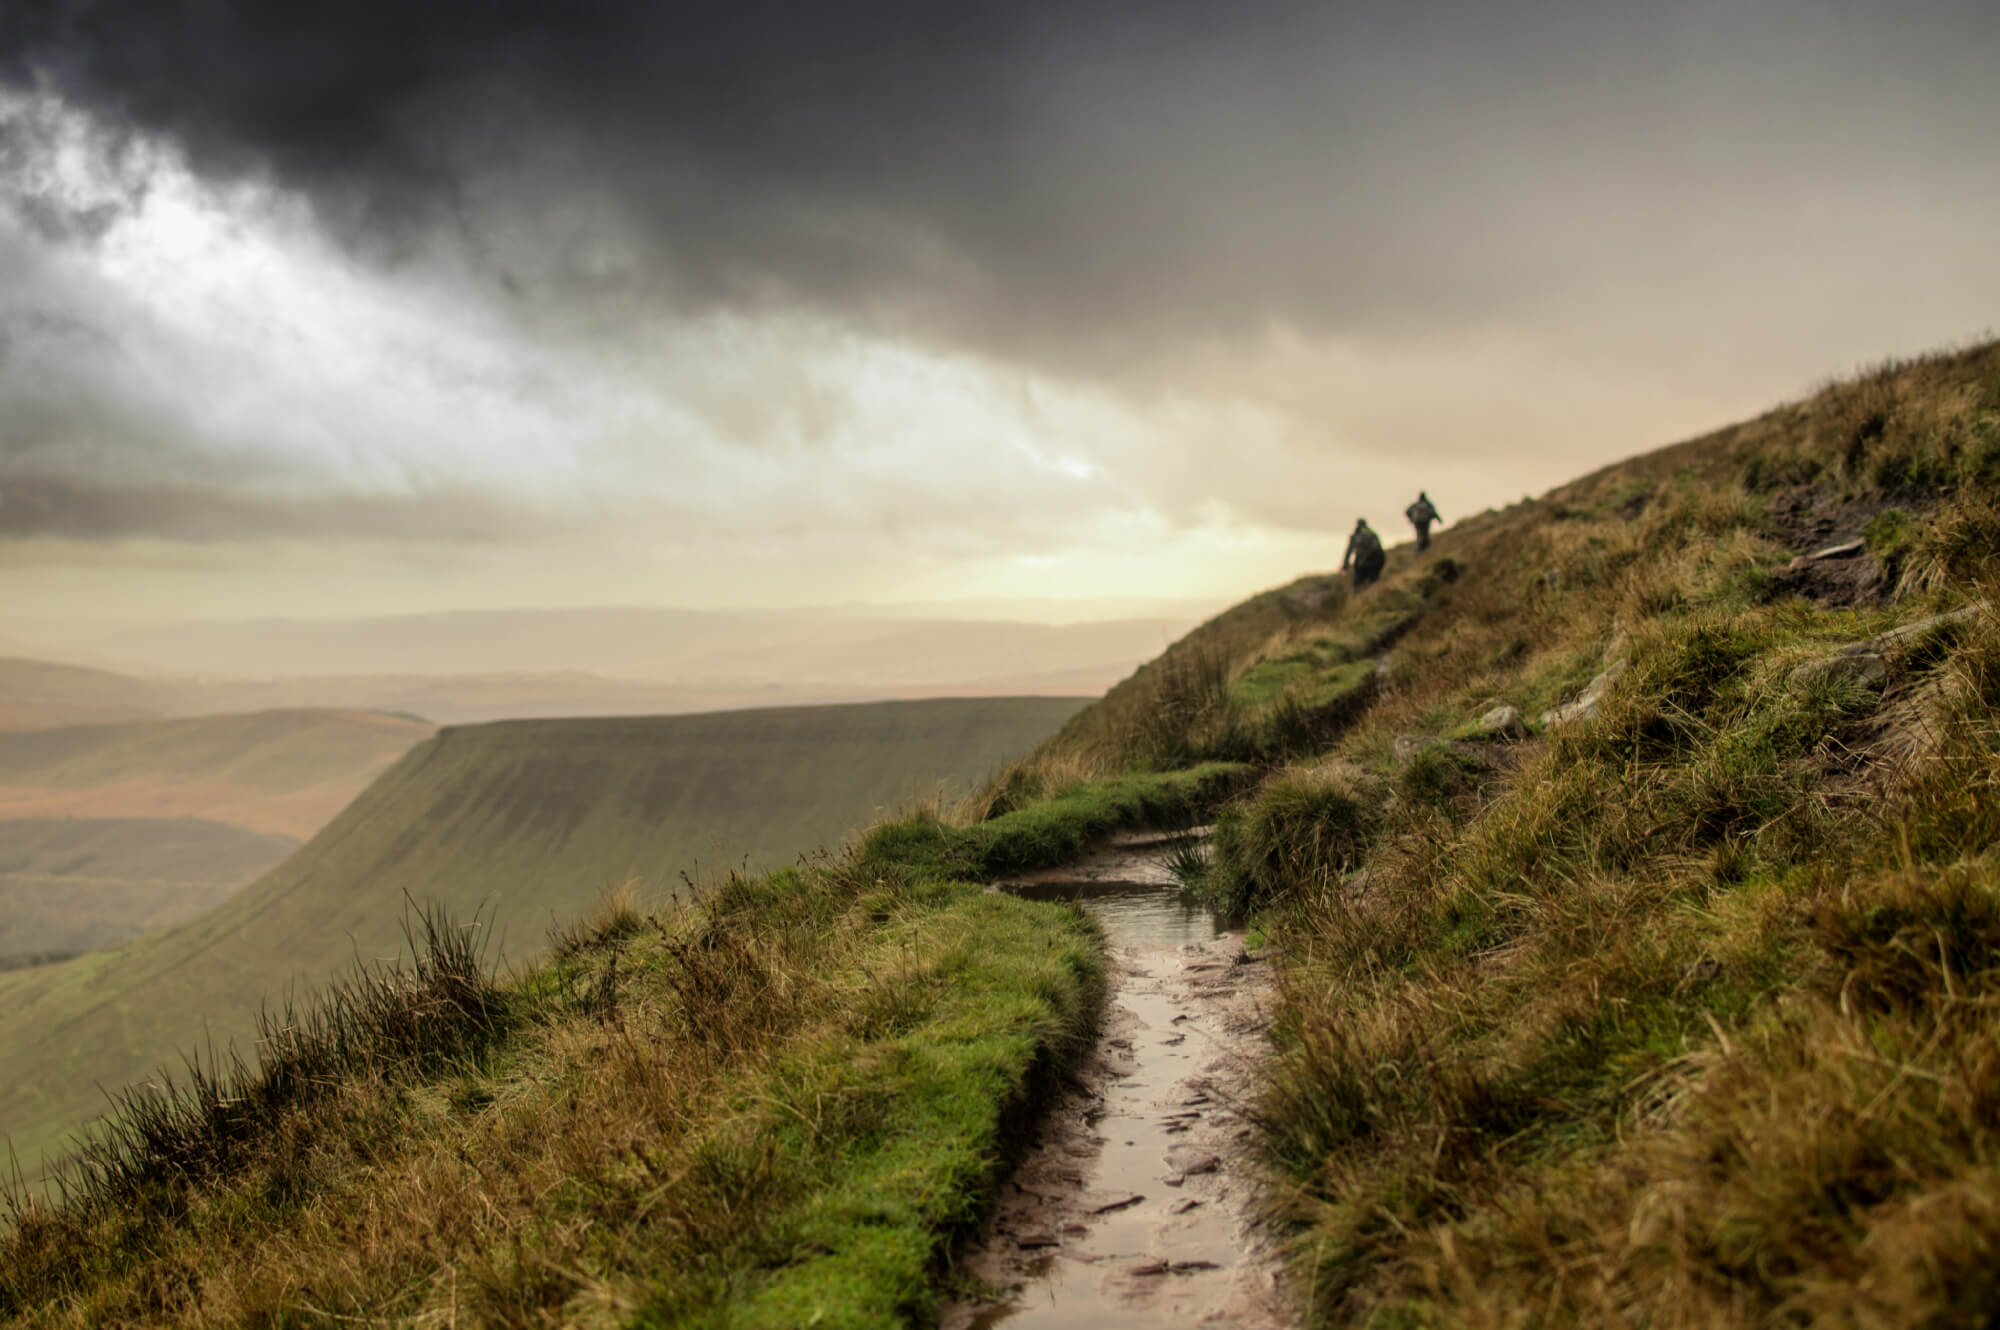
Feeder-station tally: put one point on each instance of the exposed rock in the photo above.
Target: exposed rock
(1587, 702)
(1867, 663)
(1502, 722)
(1897, 638)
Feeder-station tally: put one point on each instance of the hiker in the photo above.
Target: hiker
(1364, 551)
(1421, 515)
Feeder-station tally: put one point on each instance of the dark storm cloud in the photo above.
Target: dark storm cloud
(1087, 179)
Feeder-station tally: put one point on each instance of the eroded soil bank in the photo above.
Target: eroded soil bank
(1133, 1208)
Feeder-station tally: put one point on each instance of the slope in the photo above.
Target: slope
(70, 885)
(1629, 868)
(525, 822)
(1630, 864)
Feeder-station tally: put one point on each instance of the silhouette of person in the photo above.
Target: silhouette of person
(1421, 515)
(1364, 552)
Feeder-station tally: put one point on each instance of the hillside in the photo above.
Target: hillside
(1630, 859)
(36, 695)
(1627, 863)
(110, 829)
(70, 885)
(524, 823)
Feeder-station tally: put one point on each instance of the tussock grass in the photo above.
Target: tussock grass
(773, 1107)
(1679, 1016)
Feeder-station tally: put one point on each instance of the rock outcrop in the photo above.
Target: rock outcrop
(1589, 700)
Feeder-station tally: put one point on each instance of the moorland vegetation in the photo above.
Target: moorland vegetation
(1678, 1006)
(523, 823)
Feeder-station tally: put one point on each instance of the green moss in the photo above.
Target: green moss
(1057, 829)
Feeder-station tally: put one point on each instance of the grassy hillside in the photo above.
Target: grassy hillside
(283, 773)
(1630, 873)
(1673, 1003)
(524, 822)
(70, 885)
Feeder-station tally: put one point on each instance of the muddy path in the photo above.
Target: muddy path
(1133, 1208)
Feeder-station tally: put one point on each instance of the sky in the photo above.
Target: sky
(335, 307)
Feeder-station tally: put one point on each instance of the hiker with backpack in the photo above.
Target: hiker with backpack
(1421, 515)
(1364, 552)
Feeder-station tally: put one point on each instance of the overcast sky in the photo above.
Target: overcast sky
(345, 307)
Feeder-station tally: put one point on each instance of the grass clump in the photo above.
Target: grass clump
(1303, 831)
(1057, 829)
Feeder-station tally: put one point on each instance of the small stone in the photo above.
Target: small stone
(1201, 1164)
(1587, 702)
(1104, 1205)
(1184, 1205)
(1503, 722)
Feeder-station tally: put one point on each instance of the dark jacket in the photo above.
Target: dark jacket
(1364, 547)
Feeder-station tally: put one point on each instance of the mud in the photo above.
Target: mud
(1134, 1208)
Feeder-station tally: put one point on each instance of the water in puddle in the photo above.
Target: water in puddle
(1134, 913)
(1133, 1214)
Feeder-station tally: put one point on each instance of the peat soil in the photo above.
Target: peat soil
(1135, 1205)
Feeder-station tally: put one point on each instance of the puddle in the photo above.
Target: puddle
(1133, 1207)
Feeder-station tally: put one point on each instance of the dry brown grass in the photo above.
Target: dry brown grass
(682, 1108)
(1659, 1022)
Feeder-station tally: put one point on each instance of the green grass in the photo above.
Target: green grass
(523, 823)
(776, 1108)
(1057, 829)
(76, 884)
(1682, 1015)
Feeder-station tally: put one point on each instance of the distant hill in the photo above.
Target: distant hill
(278, 772)
(39, 695)
(526, 821)
(70, 885)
